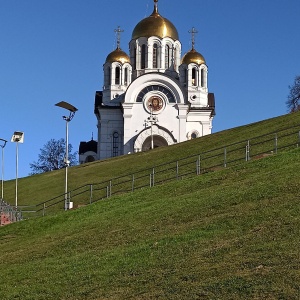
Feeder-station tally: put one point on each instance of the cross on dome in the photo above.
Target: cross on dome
(193, 32)
(155, 6)
(118, 31)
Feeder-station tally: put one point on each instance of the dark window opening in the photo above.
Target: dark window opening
(143, 57)
(115, 144)
(194, 76)
(117, 81)
(126, 76)
(167, 57)
(155, 56)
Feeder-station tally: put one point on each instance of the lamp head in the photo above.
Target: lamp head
(3, 141)
(67, 106)
(18, 137)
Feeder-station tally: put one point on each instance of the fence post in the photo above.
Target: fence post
(198, 166)
(110, 186)
(225, 157)
(132, 185)
(177, 169)
(44, 209)
(91, 193)
(107, 189)
(153, 176)
(248, 151)
(276, 143)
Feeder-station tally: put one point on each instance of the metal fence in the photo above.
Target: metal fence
(208, 161)
(8, 213)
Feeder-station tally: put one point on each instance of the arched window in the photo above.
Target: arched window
(90, 158)
(117, 79)
(155, 56)
(202, 78)
(175, 58)
(143, 57)
(194, 76)
(134, 59)
(115, 146)
(167, 56)
(126, 76)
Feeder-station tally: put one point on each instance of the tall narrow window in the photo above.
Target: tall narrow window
(202, 78)
(126, 76)
(194, 76)
(155, 56)
(143, 57)
(115, 150)
(117, 81)
(167, 57)
(175, 58)
(134, 59)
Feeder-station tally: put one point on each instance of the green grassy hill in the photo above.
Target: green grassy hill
(229, 234)
(38, 188)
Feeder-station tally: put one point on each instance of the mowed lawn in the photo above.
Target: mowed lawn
(229, 234)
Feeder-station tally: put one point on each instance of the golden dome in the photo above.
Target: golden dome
(118, 56)
(155, 25)
(193, 57)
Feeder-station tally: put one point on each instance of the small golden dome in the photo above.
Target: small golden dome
(155, 25)
(193, 57)
(118, 56)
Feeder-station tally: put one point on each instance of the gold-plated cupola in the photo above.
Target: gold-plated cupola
(155, 25)
(118, 56)
(193, 57)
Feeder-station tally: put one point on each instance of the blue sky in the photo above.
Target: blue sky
(54, 50)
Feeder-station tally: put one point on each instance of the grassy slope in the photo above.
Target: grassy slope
(38, 188)
(231, 234)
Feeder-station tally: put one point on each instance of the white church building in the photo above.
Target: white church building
(152, 97)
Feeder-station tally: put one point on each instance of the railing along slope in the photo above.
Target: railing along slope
(196, 164)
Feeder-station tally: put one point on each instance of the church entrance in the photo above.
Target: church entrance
(158, 141)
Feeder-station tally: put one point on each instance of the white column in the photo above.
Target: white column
(182, 115)
(127, 115)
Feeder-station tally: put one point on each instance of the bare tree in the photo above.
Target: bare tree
(52, 157)
(293, 101)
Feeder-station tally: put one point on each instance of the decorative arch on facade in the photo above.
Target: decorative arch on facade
(193, 75)
(154, 55)
(203, 76)
(90, 158)
(126, 74)
(159, 134)
(154, 79)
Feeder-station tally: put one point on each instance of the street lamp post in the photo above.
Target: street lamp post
(3, 143)
(72, 109)
(18, 137)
